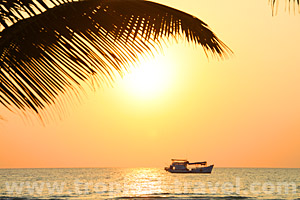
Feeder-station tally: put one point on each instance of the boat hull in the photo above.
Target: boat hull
(200, 170)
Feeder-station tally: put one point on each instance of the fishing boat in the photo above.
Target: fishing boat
(184, 166)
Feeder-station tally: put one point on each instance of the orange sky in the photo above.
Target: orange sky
(241, 112)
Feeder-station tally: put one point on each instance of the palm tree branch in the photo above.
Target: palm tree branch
(289, 3)
(43, 55)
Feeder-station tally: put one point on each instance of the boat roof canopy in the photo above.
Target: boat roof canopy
(179, 160)
(198, 163)
(186, 161)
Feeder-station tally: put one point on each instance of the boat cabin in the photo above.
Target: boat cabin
(179, 164)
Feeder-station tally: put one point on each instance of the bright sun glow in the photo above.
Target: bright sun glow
(150, 79)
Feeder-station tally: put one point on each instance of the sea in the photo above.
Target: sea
(148, 183)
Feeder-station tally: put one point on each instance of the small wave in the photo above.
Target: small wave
(168, 196)
(23, 198)
(62, 197)
(12, 198)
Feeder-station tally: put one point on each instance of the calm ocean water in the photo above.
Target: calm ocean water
(148, 183)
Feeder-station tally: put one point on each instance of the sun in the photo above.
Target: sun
(150, 79)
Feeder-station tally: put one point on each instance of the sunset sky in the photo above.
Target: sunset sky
(240, 112)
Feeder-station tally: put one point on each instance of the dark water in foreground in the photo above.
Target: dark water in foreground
(148, 183)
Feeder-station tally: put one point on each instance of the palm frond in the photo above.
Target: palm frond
(55, 48)
(290, 5)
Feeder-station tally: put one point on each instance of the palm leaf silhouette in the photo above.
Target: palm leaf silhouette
(49, 46)
(289, 3)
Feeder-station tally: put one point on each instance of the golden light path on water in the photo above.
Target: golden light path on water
(144, 181)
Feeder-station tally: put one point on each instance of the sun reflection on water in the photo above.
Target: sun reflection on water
(144, 181)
